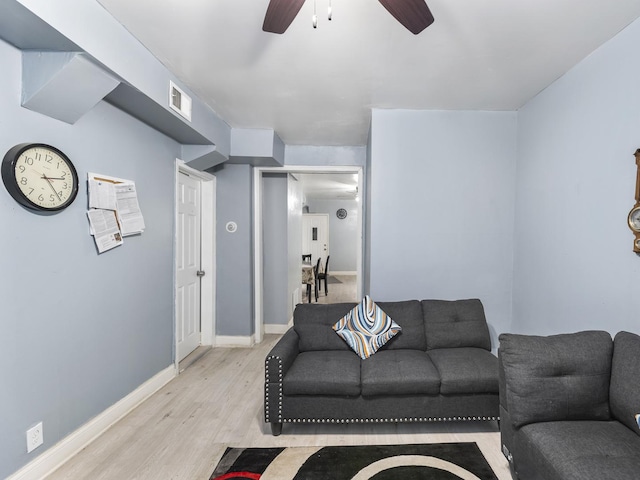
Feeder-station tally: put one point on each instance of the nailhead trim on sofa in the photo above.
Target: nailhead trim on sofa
(348, 420)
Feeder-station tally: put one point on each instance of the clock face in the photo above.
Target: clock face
(40, 177)
(634, 219)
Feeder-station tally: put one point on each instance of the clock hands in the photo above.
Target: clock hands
(28, 167)
(51, 185)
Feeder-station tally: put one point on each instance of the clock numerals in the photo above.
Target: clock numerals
(40, 177)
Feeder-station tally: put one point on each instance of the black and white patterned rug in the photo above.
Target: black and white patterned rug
(440, 461)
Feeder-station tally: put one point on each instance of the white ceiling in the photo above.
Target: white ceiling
(329, 185)
(317, 87)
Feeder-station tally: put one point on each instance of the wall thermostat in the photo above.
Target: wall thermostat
(231, 227)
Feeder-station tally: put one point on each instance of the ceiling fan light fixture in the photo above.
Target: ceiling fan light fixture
(314, 19)
(412, 14)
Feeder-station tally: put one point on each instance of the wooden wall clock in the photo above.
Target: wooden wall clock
(634, 215)
(39, 177)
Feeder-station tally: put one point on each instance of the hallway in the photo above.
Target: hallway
(342, 288)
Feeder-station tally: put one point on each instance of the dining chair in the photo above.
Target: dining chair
(316, 272)
(323, 276)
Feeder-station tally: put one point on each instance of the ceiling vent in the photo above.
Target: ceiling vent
(179, 101)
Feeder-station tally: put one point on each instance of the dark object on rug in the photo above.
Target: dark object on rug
(567, 404)
(439, 461)
(332, 279)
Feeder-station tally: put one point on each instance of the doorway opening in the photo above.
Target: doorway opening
(295, 276)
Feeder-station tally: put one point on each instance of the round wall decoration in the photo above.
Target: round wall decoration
(39, 177)
(341, 213)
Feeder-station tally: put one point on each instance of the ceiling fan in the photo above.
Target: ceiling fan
(413, 14)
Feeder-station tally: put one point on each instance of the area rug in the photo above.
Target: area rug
(439, 461)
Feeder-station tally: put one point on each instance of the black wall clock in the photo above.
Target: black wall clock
(341, 213)
(39, 177)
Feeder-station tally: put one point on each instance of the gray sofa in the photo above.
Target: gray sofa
(568, 404)
(439, 367)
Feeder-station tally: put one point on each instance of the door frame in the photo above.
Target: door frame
(207, 255)
(258, 304)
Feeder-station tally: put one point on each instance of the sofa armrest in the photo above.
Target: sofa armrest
(507, 429)
(281, 356)
(277, 363)
(502, 385)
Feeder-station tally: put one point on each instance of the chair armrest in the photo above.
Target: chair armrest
(277, 363)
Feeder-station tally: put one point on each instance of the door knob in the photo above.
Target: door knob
(200, 273)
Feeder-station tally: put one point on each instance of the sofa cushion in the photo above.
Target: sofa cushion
(399, 372)
(466, 370)
(624, 393)
(407, 314)
(312, 322)
(560, 377)
(366, 328)
(323, 373)
(578, 450)
(457, 323)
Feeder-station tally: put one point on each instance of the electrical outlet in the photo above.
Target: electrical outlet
(34, 437)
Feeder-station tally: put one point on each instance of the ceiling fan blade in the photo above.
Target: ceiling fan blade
(413, 14)
(280, 14)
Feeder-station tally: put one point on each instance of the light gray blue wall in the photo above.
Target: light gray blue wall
(80, 330)
(442, 197)
(343, 234)
(92, 28)
(316, 155)
(282, 246)
(574, 265)
(234, 295)
(275, 247)
(294, 237)
(366, 196)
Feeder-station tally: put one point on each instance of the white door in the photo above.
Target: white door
(315, 236)
(188, 265)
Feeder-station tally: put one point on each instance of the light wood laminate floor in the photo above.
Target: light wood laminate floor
(345, 291)
(182, 431)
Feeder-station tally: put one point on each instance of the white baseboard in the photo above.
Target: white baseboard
(53, 458)
(275, 328)
(331, 272)
(234, 341)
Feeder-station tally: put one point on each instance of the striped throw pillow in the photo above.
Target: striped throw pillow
(366, 328)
